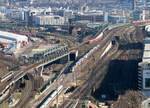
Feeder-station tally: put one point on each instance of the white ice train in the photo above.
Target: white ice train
(107, 49)
(51, 97)
(81, 60)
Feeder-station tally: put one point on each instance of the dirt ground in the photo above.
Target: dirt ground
(3, 69)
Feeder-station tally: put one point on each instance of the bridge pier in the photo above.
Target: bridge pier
(22, 80)
(68, 57)
(41, 71)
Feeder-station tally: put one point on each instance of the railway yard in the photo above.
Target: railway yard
(106, 69)
(111, 79)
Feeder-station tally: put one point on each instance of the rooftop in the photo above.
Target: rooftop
(13, 35)
(146, 53)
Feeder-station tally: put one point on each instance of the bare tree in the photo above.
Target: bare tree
(131, 99)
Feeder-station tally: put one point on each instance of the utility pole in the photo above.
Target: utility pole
(57, 93)
(63, 100)
(76, 78)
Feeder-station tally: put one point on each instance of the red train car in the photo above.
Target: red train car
(99, 37)
(141, 21)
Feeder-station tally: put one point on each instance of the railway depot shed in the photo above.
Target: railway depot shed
(16, 39)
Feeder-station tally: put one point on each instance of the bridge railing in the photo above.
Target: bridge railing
(50, 54)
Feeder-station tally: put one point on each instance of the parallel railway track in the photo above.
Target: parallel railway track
(108, 37)
(82, 91)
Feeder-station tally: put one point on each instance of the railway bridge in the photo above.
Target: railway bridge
(40, 60)
(37, 63)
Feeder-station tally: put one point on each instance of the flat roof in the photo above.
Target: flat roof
(146, 56)
(13, 35)
(146, 53)
(147, 40)
(147, 47)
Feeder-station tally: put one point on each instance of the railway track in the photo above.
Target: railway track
(130, 52)
(27, 92)
(104, 41)
(36, 64)
(110, 33)
(83, 89)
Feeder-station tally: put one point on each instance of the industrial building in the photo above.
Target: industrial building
(144, 69)
(68, 14)
(49, 20)
(14, 40)
(92, 16)
(25, 13)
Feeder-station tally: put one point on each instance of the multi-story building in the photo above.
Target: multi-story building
(105, 16)
(49, 20)
(90, 16)
(144, 69)
(146, 14)
(68, 14)
(27, 15)
(2, 16)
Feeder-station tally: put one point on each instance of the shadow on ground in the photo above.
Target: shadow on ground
(129, 46)
(121, 76)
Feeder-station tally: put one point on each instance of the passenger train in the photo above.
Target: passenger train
(99, 37)
(50, 97)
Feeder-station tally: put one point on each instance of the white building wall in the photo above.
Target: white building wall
(22, 15)
(49, 20)
(17, 37)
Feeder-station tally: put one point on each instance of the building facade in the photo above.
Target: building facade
(144, 69)
(49, 20)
